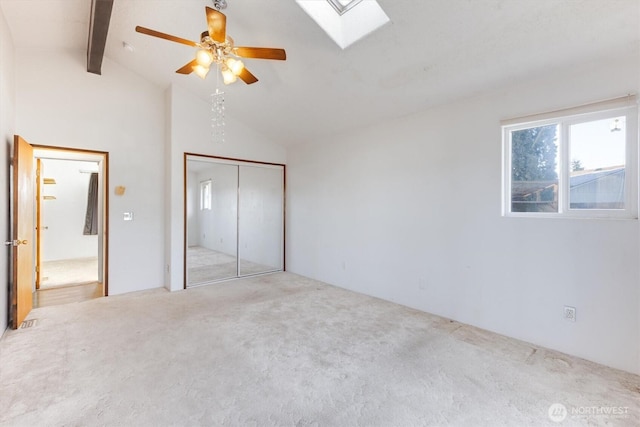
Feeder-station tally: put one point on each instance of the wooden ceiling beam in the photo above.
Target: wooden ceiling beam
(98, 29)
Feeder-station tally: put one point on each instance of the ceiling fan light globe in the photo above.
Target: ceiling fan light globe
(201, 71)
(227, 76)
(204, 57)
(235, 65)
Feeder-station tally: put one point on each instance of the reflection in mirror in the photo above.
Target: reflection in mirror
(261, 212)
(211, 208)
(232, 207)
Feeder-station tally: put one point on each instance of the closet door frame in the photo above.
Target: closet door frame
(237, 162)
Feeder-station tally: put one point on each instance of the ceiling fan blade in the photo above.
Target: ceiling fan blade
(217, 22)
(187, 68)
(260, 52)
(169, 37)
(246, 76)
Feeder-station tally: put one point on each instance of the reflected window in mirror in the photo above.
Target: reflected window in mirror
(205, 195)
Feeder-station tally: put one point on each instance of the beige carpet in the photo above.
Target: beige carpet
(206, 265)
(282, 350)
(69, 272)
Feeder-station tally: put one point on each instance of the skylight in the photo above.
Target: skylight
(342, 6)
(345, 21)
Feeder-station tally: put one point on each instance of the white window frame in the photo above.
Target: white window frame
(626, 106)
(206, 194)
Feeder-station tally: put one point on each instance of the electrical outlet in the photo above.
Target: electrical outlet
(569, 313)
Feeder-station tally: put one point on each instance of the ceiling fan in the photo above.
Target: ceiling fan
(216, 47)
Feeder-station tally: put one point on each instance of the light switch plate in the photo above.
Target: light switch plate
(128, 216)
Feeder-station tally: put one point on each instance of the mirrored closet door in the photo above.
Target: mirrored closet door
(234, 216)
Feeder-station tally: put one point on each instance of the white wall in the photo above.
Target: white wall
(189, 130)
(60, 104)
(409, 211)
(63, 218)
(7, 118)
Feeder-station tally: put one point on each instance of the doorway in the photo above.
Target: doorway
(234, 218)
(70, 257)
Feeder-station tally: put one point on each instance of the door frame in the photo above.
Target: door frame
(68, 153)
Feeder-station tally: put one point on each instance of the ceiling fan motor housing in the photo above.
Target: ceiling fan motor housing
(219, 50)
(220, 4)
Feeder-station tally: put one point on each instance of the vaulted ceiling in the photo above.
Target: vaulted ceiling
(430, 53)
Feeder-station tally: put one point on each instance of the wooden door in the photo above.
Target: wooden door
(23, 231)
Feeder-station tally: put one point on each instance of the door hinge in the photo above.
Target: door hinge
(15, 242)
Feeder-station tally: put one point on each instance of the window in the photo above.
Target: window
(345, 21)
(577, 163)
(205, 195)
